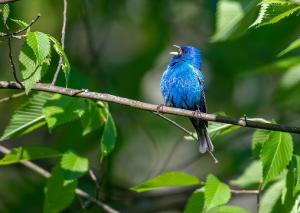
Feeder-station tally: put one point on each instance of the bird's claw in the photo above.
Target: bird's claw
(159, 108)
(245, 118)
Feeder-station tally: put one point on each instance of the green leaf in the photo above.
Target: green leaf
(5, 10)
(216, 193)
(62, 109)
(276, 154)
(28, 153)
(233, 18)
(259, 137)
(295, 44)
(195, 202)
(65, 62)
(34, 58)
(73, 165)
(252, 175)
(217, 129)
(59, 192)
(93, 118)
(28, 117)
(270, 197)
(291, 77)
(228, 209)
(109, 136)
(274, 11)
(169, 179)
(20, 23)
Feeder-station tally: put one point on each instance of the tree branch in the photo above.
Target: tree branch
(12, 97)
(39, 170)
(13, 34)
(63, 33)
(152, 107)
(7, 1)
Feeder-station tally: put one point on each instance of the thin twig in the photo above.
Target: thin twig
(12, 97)
(14, 34)
(63, 34)
(258, 197)
(235, 191)
(7, 1)
(152, 107)
(39, 170)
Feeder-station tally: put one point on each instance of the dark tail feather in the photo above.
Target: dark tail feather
(205, 143)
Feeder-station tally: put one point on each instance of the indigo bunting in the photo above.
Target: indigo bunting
(182, 86)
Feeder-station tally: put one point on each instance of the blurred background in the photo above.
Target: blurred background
(121, 47)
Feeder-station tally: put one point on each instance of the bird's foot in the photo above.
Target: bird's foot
(245, 118)
(159, 108)
(197, 112)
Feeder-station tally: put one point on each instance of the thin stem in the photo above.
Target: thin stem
(63, 34)
(39, 170)
(152, 107)
(12, 97)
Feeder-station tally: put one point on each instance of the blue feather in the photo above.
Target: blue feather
(182, 86)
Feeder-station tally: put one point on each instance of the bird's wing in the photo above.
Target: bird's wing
(203, 104)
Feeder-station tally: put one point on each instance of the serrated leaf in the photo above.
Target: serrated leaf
(59, 192)
(270, 197)
(169, 179)
(28, 117)
(195, 202)
(216, 193)
(274, 11)
(233, 18)
(20, 23)
(73, 165)
(65, 62)
(276, 154)
(34, 58)
(62, 109)
(295, 44)
(109, 136)
(93, 118)
(28, 153)
(252, 175)
(259, 137)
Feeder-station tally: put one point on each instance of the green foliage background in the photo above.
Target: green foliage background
(121, 47)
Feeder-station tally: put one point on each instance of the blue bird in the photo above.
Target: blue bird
(182, 86)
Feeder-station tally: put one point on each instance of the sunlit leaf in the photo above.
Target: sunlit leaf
(274, 11)
(65, 62)
(5, 10)
(233, 18)
(259, 137)
(295, 44)
(28, 153)
(59, 192)
(270, 197)
(228, 209)
(109, 136)
(20, 23)
(216, 193)
(252, 175)
(169, 179)
(34, 58)
(73, 165)
(28, 117)
(276, 154)
(63, 109)
(195, 202)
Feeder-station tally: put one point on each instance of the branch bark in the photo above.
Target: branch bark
(152, 107)
(7, 1)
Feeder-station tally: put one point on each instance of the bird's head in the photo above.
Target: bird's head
(189, 54)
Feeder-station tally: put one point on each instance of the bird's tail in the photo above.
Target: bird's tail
(204, 141)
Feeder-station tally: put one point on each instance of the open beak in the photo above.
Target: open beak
(178, 52)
